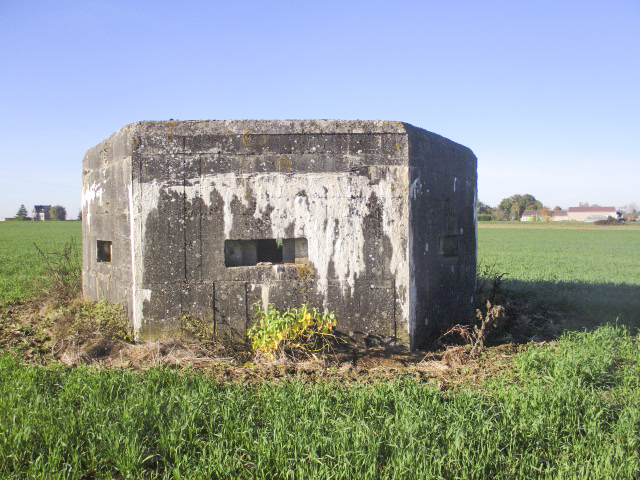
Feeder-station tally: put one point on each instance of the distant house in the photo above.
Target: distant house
(591, 214)
(574, 214)
(41, 212)
(560, 215)
(532, 216)
(538, 216)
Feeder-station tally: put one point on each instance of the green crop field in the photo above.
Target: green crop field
(569, 408)
(588, 255)
(590, 271)
(560, 253)
(570, 411)
(20, 262)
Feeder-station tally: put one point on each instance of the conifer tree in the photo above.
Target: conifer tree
(22, 213)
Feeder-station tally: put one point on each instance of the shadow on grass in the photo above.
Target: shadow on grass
(575, 305)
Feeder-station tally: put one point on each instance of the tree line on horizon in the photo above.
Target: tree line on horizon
(512, 208)
(56, 212)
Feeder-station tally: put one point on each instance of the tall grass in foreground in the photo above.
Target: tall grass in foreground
(571, 410)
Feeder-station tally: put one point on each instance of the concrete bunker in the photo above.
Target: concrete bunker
(373, 220)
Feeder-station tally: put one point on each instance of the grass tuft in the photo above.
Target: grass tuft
(62, 271)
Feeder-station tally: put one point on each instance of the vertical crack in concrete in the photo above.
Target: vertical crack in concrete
(247, 307)
(213, 307)
(132, 242)
(184, 221)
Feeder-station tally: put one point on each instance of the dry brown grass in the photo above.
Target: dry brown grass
(45, 332)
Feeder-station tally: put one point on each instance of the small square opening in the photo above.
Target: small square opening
(104, 251)
(449, 245)
(247, 253)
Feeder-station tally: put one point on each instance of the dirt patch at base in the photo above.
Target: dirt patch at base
(32, 331)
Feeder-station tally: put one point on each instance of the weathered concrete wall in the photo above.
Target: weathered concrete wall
(443, 232)
(201, 203)
(106, 214)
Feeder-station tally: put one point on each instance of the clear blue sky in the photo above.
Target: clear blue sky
(546, 93)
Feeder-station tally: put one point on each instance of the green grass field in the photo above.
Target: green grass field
(20, 262)
(540, 252)
(566, 409)
(586, 255)
(589, 271)
(570, 411)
